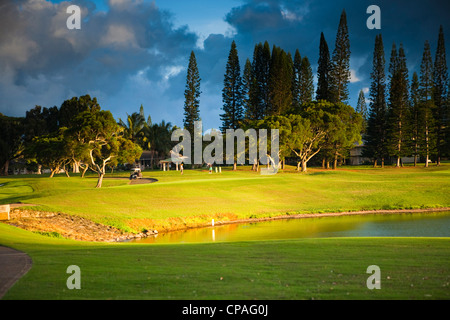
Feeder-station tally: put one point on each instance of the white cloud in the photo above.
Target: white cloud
(353, 77)
(119, 35)
(17, 50)
(289, 15)
(172, 71)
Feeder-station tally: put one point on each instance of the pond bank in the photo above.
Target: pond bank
(78, 228)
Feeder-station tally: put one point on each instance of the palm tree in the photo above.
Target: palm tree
(151, 137)
(134, 128)
(163, 134)
(158, 138)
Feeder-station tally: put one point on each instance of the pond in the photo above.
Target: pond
(429, 224)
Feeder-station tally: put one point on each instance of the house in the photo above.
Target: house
(356, 157)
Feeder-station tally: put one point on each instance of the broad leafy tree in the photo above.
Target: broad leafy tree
(100, 133)
(52, 151)
(11, 142)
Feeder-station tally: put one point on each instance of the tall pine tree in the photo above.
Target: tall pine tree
(306, 81)
(258, 95)
(340, 66)
(426, 123)
(232, 93)
(296, 77)
(192, 95)
(440, 81)
(247, 79)
(375, 145)
(397, 120)
(280, 80)
(361, 106)
(323, 71)
(414, 117)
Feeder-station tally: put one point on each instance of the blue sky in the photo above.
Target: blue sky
(133, 52)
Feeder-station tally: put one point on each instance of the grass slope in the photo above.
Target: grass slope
(197, 196)
(411, 268)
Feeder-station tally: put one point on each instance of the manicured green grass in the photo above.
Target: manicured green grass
(411, 268)
(232, 195)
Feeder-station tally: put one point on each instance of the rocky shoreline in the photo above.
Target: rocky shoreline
(69, 226)
(78, 228)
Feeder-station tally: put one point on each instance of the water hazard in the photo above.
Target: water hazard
(372, 225)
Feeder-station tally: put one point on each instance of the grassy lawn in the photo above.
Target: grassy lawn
(334, 268)
(196, 197)
(411, 268)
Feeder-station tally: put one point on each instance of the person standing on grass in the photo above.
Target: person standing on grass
(181, 168)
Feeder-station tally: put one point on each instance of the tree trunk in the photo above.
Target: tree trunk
(298, 166)
(84, 171)
(382, 162)
(234, 166)
(76, 166)
(67, 172)
(375, 163)
(304, 166)
(5, 168)
(398, 162)
(427, 145)
(54, 171)
(39, 169)
(335, 162)
(100, 179)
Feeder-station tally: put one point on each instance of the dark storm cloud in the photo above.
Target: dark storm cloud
(44, 62)
(132, 53)
(297, 25)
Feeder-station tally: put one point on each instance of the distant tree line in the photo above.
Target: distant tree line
(79, 135)
(274, 90)
(404, 118)
(408, 118)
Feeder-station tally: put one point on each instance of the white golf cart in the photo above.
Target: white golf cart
(135, 173)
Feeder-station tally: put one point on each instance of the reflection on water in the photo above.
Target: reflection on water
(373, 225)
